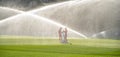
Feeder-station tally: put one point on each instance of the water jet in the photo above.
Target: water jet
(43, 18)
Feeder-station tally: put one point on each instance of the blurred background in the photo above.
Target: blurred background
(27, 4)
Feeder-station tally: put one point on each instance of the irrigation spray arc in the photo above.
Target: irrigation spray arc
(43, 18)
(86, 16)
(55, 5)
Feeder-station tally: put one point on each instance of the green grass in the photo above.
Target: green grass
(40, 47)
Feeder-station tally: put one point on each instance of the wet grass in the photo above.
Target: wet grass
(24, 47)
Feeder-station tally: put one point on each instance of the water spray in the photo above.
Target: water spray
(12, 9)
(43, 18)
(58, 4)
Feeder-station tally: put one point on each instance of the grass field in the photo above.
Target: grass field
(45, 47)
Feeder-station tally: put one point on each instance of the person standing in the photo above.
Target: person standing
(62, 35)
(65, 35)
(59, 32)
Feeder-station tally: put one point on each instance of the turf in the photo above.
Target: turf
(24, 47)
